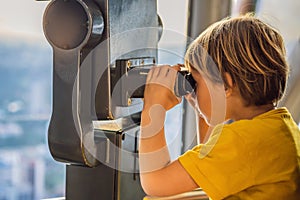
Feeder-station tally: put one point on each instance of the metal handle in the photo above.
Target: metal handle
(71, 26)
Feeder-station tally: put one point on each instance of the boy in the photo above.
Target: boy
(241, 72)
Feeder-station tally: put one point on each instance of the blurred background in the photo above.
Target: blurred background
(27, 170)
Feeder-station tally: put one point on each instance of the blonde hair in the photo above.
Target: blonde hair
(250, 51)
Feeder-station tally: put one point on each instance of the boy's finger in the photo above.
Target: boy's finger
(172, 73)
(149, 76)
(155, 71)
(177, 66)
(164, 70)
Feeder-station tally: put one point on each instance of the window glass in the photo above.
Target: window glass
(27, 170)
(171, 49)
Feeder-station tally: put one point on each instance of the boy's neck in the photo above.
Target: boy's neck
(249, 112)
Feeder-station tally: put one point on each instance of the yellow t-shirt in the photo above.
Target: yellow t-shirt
(253, 159)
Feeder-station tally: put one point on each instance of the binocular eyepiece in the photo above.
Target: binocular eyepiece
(184, 84)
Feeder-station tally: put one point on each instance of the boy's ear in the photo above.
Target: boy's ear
(228, 90)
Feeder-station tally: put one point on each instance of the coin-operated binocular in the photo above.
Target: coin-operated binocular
(102, 52)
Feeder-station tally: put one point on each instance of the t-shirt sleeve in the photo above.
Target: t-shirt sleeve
(220, 166)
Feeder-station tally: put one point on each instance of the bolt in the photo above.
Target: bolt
(129, 64)
(129, 102)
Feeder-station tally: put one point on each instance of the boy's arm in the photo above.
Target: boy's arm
(159, 177)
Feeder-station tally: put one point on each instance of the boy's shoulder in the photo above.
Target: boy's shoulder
(268, 120)
(267, 125)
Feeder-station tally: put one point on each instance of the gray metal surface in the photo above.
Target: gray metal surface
(246, 6)
(205, 12)
(116, 177)
(132, 32)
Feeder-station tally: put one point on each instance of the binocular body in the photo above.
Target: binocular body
(101, 58)
(129, 79)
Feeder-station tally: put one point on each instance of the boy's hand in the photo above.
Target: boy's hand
(160, 87)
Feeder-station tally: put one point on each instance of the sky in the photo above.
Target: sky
(22, 17)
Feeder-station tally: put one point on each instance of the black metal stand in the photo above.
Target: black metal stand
(116, 178)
